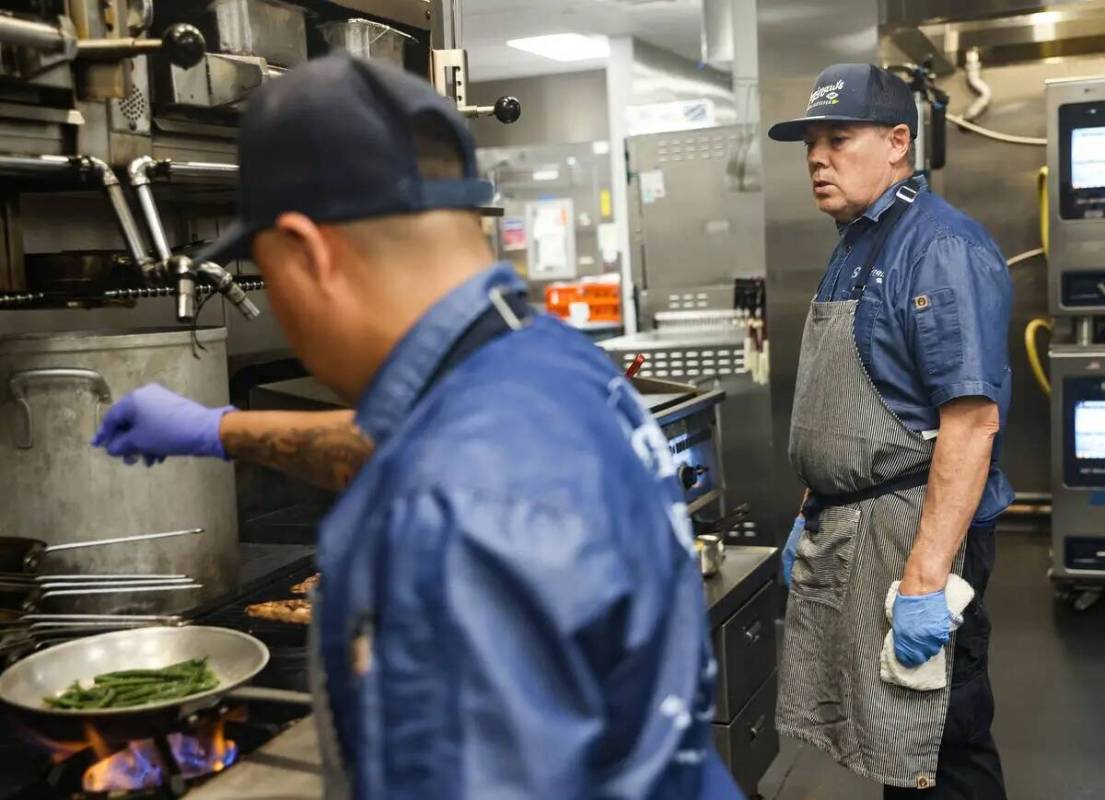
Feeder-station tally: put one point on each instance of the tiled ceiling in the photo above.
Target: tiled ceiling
(488, 24)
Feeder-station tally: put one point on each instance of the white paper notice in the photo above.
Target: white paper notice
(652, 186)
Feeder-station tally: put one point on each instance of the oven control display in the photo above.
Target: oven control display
(1082, 161)
(1087, 158)
(1089, 429)
(1084, 431)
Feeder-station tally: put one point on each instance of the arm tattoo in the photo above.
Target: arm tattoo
(328, 456)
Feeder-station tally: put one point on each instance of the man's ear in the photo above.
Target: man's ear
(900, 138)
(314, 249)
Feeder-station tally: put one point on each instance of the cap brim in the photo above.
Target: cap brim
(793, 130)
(234, 243)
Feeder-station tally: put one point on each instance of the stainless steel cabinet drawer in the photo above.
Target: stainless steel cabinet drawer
(745, 650)
(750, 742)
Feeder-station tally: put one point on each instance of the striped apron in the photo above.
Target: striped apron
(866, 473)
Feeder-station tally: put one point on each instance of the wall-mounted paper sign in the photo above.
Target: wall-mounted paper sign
(652, 186)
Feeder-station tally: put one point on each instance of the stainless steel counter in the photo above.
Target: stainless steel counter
(744, 572)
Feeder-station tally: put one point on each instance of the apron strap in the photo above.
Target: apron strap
(903, 199)
(507, 312)
(816, 503)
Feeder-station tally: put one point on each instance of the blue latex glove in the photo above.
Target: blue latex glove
(152, 423)
(922, 625)
(791, 548)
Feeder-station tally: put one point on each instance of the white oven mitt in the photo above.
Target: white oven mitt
(933, 673)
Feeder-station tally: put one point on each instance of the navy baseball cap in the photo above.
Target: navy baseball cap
(853, 93)
(333, 139)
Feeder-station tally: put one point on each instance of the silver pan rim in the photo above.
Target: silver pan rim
(15, 671)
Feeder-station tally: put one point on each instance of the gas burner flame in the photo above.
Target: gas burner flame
(141, 764)
(137, 767)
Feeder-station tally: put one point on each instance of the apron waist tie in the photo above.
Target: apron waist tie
(815, 503)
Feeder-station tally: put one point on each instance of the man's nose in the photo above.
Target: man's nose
(816, 156)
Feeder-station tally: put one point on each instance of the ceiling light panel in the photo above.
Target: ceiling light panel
(564, 47)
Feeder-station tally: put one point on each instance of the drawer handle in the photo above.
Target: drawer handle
(757, 727)
(752, 632)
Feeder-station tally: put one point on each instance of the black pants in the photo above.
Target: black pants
(969, 767)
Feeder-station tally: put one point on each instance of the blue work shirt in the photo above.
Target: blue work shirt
(933, 323)
(510, 607)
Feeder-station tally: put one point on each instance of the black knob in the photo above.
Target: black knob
(688, 476)
(508, 110)
(184, 45)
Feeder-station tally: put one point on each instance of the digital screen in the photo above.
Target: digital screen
(1089, 429)
(1087, 158)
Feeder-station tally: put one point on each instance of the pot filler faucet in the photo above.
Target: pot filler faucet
(181, 269)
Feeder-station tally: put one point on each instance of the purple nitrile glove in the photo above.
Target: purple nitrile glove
(153, 423)
(922, 625)
(790, 550)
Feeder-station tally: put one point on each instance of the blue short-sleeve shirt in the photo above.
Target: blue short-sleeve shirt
(509, 605)
(933, 323)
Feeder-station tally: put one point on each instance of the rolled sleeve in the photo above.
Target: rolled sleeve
(958, 320)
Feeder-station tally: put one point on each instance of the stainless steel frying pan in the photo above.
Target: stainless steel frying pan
(234, 657)
(20, 554)
(31, 596)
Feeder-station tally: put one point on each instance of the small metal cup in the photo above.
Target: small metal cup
(711, 552)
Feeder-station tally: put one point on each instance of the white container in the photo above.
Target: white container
(365, 39)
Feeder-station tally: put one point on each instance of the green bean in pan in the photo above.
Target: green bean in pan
(137, 687)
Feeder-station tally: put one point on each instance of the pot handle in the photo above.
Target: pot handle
(19, 381)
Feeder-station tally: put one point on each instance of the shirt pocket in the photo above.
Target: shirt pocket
(939, 333)
(823, 561)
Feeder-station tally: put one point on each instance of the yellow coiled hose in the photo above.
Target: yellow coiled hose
(1041, 194)
(1033, 327)
(1034, 360)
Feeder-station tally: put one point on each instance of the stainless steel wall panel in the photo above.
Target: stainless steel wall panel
(797, 39)
(557, 109)
(706, 229)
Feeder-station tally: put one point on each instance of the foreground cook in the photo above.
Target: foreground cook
(509, 604)
(903, 383)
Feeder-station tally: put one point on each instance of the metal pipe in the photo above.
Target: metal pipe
(181, 267)
(138, 174)
(39, 35)
(920, 145)
(973, 68)
(198, 170)
(1083, 330)
(132, 235)
(38, 166)
(116, 49)
(228, 288)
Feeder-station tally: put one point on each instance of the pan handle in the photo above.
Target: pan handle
(33, 580)
(128, 589)
(170, 620)
(17, 389)
(121, 586)
(266, 695)
(54, 548)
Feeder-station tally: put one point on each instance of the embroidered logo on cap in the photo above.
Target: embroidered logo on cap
(827, 95)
